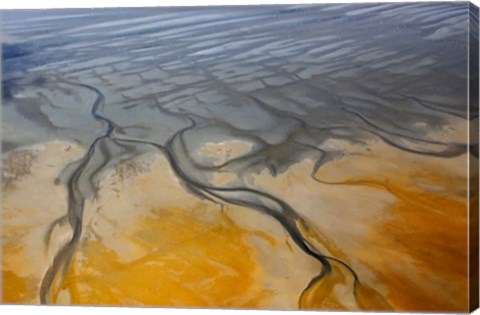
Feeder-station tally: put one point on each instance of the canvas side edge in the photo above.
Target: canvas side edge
(473, 167)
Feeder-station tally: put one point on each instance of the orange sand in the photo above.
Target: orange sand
(398, 219)
(190, 264)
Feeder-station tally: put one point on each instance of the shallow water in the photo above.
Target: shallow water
(309, 138)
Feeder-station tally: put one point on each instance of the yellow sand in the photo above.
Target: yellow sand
(147, 241)
(400, 220)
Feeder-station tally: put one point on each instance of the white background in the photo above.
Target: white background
(53, 310)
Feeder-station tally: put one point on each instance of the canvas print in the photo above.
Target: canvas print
(314, 157)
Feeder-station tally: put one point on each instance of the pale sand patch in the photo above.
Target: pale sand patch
(223, 179)
(222, 152)
(455, 131)
(30, 203)
(379, 160)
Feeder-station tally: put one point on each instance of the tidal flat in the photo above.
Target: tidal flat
(269, 157)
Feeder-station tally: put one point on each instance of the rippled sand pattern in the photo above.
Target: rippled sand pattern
(267, 157)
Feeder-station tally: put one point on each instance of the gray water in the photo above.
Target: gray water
(123, 82)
